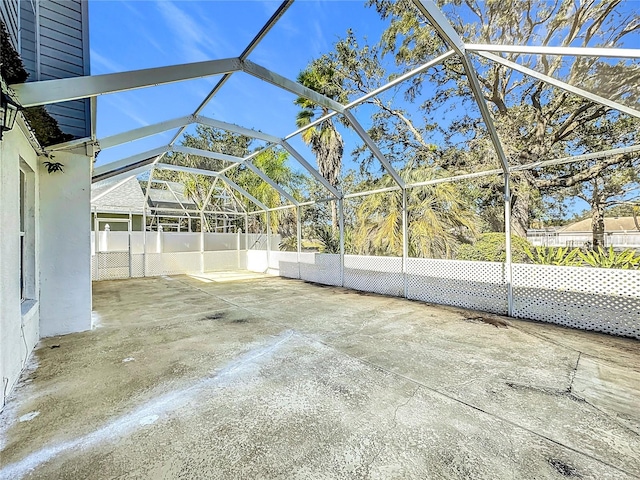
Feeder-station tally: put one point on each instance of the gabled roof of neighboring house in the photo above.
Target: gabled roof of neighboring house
(117, 196)
(172, 196)
(612, 224)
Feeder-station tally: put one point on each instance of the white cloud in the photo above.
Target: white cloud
(101, 64)
(196, 42)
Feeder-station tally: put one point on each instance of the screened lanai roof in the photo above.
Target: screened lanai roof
(255, 64)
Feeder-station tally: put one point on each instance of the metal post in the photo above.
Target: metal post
(341, 227)
(201, 243)
(246, 231)
(268, 237)
(299, 234)
(405, 241)
(144, 241)
(130, 255)
(507, 233)
(239, 232)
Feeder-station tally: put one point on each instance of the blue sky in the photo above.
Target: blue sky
(136, 34)
(159, 33)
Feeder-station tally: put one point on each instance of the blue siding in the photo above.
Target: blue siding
(9, 16)
(53, 43)
(63, 54)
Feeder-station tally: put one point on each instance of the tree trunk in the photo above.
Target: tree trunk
(597, 217)
(520, 214)
(334, 216)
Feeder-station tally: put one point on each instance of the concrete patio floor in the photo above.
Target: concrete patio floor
(243, 376)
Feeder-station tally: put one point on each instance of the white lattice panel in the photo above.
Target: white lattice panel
(94, 269)
(222, 260)
(257, 261)
(137, 265)
(321, 268)
(474, 285)
(374, 274)
(112, 265)
(284, 264)
(603, 300)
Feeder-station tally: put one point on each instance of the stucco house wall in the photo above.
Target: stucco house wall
(50, 294)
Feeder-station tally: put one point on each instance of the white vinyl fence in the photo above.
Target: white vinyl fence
(118, 255)
(602, 300)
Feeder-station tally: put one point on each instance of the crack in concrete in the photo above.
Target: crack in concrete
(573, 373)
(377, 454)
(447, 395)
(131, 421)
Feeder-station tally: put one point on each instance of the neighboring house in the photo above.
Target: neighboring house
(620, 232)
(52, 38)
(115, 202)
(170, 197)
(170, 208)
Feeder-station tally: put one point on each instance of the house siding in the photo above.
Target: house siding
(53, 42)
(9, 16)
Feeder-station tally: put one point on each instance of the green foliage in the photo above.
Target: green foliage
(44, 126)
(439, 216)
(600, 258)
(491, 247)
(11, 67)
(561, 256)
(329, 240)
(289, 244)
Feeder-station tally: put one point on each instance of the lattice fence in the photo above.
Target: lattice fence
(321, 268)
(284, 264)
(374, 274)
(475, 285)
(603, 300)
(599, 299)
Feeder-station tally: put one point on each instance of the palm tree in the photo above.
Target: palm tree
(439, 216)
(324, 139)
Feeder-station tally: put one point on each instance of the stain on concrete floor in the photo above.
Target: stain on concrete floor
(243, 376)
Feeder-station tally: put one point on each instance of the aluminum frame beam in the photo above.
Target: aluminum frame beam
(142, 132)
(205, 153)
(242, 191)
(284, 6)
(230, 127)
(54, 91)
(143, 158)
(362, 133)
(209, 173)
(268, 180)
(149, 130)
(545, 50)
(430, 10)
(562, 85)
(236, 161)
(134, 171)
(289, 85)
(577, 158)
(295, 154)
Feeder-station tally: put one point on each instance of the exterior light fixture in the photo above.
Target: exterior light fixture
(8, 113)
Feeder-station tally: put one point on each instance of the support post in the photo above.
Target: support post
(130, 246)
(144, 240)
(341, 227)
(201, 243)
(299, 235)
(507, 234)
(268, 238)
(405, 241)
